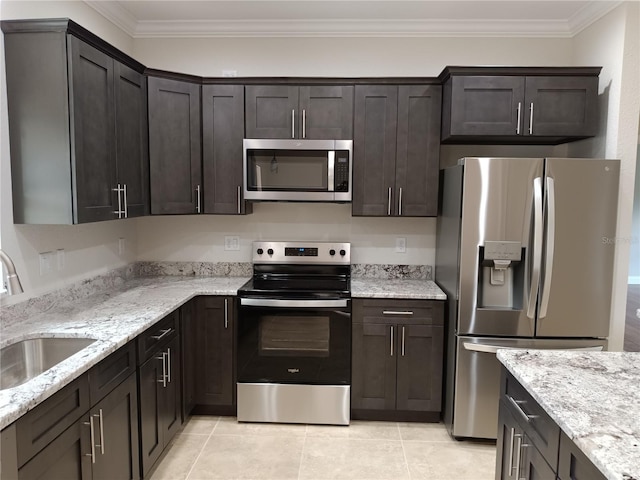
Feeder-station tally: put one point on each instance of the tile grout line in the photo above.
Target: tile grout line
(304, 444)
(202, 449)
(404, 453)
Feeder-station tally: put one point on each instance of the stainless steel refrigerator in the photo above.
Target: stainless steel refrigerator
(525, 253)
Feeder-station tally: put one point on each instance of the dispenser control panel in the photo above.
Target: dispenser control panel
(503, 251)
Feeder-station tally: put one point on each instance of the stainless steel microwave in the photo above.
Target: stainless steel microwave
(298, 170)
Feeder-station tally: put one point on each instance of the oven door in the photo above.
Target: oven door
(294, 341)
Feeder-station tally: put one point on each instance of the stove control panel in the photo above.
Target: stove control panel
(328, 253)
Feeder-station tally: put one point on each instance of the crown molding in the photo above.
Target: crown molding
(121, 17)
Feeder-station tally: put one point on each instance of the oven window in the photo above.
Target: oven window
(282, 170)
(294, 336)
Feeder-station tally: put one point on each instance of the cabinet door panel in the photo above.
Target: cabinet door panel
(215, 384)
(419, 374)
(174, 145)
(418, 150)
(151, 443)
(171, 406)
(93, 133)
(573, 464)
(534, 467)
(188, 336)
(328, 112)
(486, 105)
(374, 149)
(222, 134)
(269, 111)
(563, 106)
(373, 374)
(510, 437)
(132, 142)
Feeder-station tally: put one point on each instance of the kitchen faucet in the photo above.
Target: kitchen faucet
(13, 282)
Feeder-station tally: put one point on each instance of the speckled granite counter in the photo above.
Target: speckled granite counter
(395, 288)
(113, 317)
(593, 397)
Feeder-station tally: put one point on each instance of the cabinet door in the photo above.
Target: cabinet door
(374, 149)
(271, 111)
(573, 464)
(171, 393)
(326, 112)
(533, 464)
(418, 150)
(175, 163)
(562, 106)
(188, 336)
(93, 127)
(508, 445)
(150, 402)
(419, 374)
(116, 420)
(132, 142)
(222, 134)
(215, 379)
(373, 366)
(487, 105)
(67, 457)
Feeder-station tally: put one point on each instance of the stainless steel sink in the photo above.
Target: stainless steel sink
(22, 361)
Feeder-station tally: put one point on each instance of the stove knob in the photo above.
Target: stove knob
(270, 251)
(260, 251)
(332, 252)
(343, 253)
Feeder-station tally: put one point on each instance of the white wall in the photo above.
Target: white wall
(89, 249)
(614, 43)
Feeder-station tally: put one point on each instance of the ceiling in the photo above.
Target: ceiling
(393, 18)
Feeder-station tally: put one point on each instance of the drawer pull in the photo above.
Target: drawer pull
(93, 440)
(516, 404)
(163, 334)
(396, 312)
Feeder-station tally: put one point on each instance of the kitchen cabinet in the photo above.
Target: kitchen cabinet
(321, 112)
(160, 403)
(396, 150)
(214, 354)
(78, 146)
(519, 105)
(222, 134)
(188, 338)
(175, 151)
(397, 358)
(531, 445)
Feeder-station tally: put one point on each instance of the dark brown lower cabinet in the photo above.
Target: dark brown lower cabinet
(397, 359)
(188, 337)
(160, 401)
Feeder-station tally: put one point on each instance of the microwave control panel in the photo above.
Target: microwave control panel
(341, 172)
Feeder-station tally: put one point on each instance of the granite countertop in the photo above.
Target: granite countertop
(593, 397)
(112, 317)
(395, 288)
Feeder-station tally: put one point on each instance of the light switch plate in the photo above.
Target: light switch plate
(45, 263)
(231, 242)
(401, 245)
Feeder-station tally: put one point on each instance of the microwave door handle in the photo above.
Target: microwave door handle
(331, 170)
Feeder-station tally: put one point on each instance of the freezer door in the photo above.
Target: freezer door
(477, 380)
(581, 199)
(499, 201)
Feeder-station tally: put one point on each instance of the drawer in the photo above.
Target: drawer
(111, 371)
(409, 312)
(38, 427)
(537, 425)
(157, 336)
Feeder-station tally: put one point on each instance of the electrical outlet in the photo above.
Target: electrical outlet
(232, 243)
(401, 245)
(45, 263)
(60, 258)
(229, 73)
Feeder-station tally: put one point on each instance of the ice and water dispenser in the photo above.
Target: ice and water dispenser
(500, 275)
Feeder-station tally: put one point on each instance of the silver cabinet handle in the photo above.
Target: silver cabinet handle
(163, 333)
(118, 212)
(168, 365)
(518, 457)
(537, 246)
(391, 349)
(516, 404)
(126, 205)
(293, 124)
(101, 445)
(513, 439)
(402, 346)
(163, 381)
(198, 199)
(550, 241)
(519, 118)
(93, 442)
(226, 313)
(400, 201)
(304, 123)
(389, 202)
(397, 312)
(531, 119)
(239, 200)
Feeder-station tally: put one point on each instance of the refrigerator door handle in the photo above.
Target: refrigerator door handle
(486, 348)
(537, 246)
(549, 243)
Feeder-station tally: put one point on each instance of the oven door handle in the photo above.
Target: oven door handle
(273, 302)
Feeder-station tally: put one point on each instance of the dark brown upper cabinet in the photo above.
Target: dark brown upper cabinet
(396, 150)
(290, 111)
(519, 105)
(175, 151)
(222, 134)
(78, 144)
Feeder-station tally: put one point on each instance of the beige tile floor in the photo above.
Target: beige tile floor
(222, 448)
